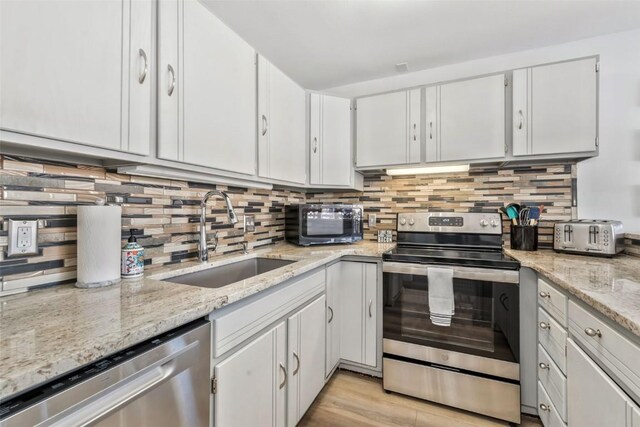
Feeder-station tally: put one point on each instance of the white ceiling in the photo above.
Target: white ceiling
(327, 43)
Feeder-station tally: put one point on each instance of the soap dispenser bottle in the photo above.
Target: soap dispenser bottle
(132, 258)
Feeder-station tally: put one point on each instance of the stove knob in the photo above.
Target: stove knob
(411, 221)
(403, 221)
(494, 223)
(483, 222)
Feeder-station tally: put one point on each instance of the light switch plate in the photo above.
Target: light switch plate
(23, 237)
(249, 223)
(372, 220)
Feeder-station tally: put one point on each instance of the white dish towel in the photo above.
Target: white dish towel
(441, 302)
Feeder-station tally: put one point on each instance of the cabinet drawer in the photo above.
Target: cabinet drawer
(234, 324)
(553, 338)
(608, 346)
(554, 382)
(553, 301)
(549, 416)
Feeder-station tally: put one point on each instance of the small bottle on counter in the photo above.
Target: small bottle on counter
(132, 258)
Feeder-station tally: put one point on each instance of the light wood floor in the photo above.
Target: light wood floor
(352, 399)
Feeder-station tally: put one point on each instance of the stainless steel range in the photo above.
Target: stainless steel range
(466, 355)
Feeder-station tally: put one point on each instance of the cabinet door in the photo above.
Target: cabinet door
(382, 130)
(170, 136)
(431, 123)
(415, 128)
(219, 93)
(315, 150)
(635, 415)
(334, 280)
(72, 71)
(306, 358)
(593, 398)
(563, 107)
(282, 126)
(251, 383)
(370, 323)
(352, 312)
(337, 165)
(472, 119)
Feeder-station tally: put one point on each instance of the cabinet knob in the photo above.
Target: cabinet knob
(544, 407)
(544, 294)
(544, 325)
(593, 332)
(543, 365)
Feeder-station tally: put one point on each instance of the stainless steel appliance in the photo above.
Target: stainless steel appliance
(589, 237)
(318, 224)
(472, 364)
(160, 382)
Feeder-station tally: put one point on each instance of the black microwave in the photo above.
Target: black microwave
(323, 224)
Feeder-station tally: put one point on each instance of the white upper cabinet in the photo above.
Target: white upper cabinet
(281, 126)
(207, 90)
(330, 161)
(472, 119)
(388, 129)
(555, 108)
(78, 72)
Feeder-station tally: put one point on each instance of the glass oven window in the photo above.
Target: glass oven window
(485, 323)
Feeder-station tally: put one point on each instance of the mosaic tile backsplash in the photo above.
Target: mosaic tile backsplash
(165, 213)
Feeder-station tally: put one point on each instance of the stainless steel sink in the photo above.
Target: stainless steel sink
(217, 277)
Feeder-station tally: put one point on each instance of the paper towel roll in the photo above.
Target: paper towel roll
(99, 231)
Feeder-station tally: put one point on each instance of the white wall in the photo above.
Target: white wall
(608, 185)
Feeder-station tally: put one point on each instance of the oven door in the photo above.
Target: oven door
(485, 323)
(330, 224)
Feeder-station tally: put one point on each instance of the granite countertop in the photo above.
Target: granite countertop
(46, 333)
(611, 286)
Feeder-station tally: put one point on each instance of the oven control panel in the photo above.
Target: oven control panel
(450, 222)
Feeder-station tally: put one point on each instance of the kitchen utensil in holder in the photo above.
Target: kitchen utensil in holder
(524, 237)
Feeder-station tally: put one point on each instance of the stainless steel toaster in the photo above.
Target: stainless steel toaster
(589, 237)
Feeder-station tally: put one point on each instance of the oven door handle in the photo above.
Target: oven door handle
(469, 273)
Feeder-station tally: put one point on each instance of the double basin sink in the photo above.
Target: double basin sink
(217, 277)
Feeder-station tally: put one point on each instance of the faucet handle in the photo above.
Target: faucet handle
(245, 247)
(215, 241)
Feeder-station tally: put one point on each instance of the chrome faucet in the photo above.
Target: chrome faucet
(203, 253)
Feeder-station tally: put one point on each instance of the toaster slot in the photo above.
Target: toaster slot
(568, 233)
(594, 231)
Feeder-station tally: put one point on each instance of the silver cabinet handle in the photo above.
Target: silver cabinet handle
(593, 332)
(370, 304)
(544, 294)
(543, 365)
(430, 130)
(315, 144)
(414, 131)
(544, 407)
(284, 381)
(544, 325)
(264, 125)
(143, 75)
(295, 371)
(172, 83)
(521, 119)
(330, 311)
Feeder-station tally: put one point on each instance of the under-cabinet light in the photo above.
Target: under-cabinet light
(428, 170)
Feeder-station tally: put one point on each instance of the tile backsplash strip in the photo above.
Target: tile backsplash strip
(482, 189)
(164, 212)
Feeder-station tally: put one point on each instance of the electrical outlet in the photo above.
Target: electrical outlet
(249, 223)
(23, 237)
(372, 220)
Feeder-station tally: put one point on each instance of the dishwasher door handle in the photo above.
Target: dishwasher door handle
(127, 390)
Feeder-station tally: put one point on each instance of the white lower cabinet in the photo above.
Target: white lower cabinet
(333, 318)
(357, 312)
(594, 399)
(250, 384)
(306, 348)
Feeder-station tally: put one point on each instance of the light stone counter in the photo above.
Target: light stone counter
(611, 286)
(49, 332)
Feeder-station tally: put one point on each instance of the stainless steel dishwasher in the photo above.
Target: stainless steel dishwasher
(160, 382)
